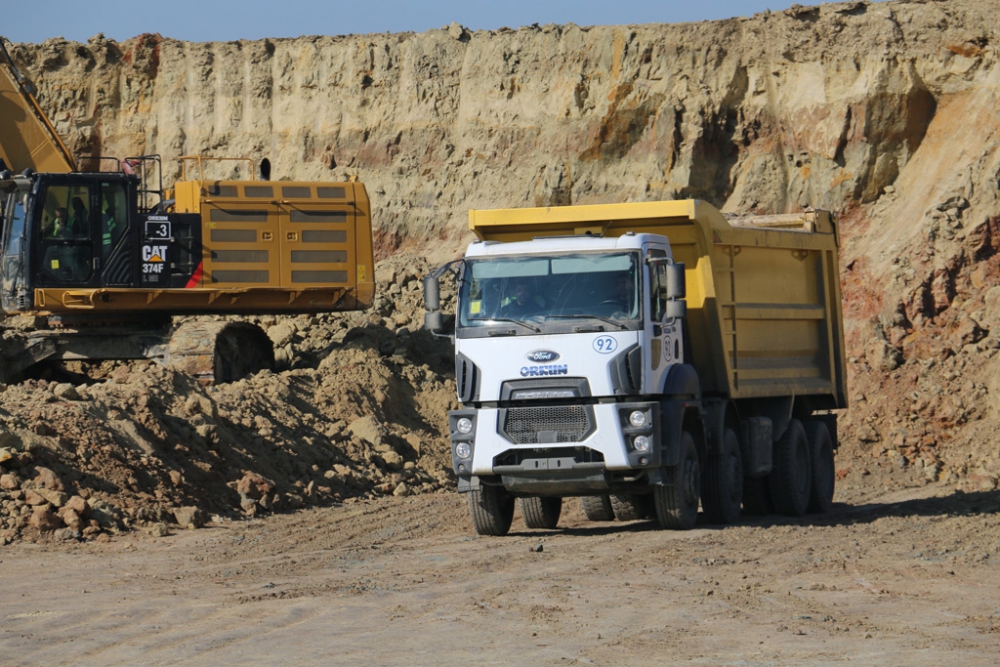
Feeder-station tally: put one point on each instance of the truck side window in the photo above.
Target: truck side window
(658, 285)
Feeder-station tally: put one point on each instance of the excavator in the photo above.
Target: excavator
(108, 264)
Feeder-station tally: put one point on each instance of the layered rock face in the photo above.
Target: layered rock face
(821, 106)
(886, 113)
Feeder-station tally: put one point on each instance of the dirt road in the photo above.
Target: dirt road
(911, 578)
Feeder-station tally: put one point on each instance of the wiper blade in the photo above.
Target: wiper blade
(520, 322)
(581, 316)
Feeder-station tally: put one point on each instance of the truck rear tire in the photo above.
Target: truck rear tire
(757, 496)
(823, 472)
(677, 504)
(492, 510)
(597, 508)
(722, 488)
(791, 477)
(541, 512)
(626, 506)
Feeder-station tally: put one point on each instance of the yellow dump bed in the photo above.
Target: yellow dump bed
(763, 292)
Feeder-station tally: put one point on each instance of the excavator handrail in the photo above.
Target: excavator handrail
(200, 158)
(57, 149)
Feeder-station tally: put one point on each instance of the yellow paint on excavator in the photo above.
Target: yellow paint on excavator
(27, 138)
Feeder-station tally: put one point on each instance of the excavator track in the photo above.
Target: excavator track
(217, 352)
(214, 352)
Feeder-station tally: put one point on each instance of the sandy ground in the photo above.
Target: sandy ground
(909, 578)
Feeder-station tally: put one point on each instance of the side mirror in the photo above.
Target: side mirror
(433, 321)
(676, 281)
(432, 293)
(676, 309)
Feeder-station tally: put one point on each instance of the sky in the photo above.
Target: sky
(216, 20)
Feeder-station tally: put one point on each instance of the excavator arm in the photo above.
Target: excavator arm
(27, 138)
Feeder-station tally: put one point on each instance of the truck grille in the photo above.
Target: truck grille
(559, 423)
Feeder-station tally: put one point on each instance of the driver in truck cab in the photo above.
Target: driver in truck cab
(522, 299)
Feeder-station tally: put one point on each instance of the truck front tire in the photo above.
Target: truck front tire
(723, 482)
(491, 509)
(541, 512)
(791, 476)
(677, 504)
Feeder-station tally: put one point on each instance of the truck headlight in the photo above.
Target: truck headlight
(462, 450)
(641, 442)
(464, 425)
(637, 419)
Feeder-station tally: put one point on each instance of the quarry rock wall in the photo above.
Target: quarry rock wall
(814, 106)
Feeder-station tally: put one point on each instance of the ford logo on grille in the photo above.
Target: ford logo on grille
(542, 356)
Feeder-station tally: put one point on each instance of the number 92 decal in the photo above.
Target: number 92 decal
(605, 344)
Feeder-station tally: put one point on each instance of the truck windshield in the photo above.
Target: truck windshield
(542, 289)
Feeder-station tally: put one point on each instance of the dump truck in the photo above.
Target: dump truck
(649, 358)
(105, 259)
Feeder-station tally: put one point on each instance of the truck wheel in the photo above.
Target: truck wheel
(757, 496)
(492, 510)
(722, 488)
(792, 473)
(626, 507)
(598, 508)
(677, 504)
(823, 473)
(541, 512)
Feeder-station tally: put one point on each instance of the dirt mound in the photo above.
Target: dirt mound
(885, 113)
(354, 410)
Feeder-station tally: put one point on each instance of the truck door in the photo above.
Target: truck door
(659, 336)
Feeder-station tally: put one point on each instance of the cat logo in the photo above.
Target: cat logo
(154, 253)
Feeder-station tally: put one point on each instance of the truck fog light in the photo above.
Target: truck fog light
(464, 425)
(643, 461)
(462, 450)
(641, 443)
(637, 418)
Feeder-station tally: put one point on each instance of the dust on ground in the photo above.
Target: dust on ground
(905, 578)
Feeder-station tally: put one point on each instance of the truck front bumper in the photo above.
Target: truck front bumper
(616, 439)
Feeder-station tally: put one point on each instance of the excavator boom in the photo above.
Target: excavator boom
(27, 138)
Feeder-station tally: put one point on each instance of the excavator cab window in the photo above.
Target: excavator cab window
(13, 283)
(114, 220)
(65, 239)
